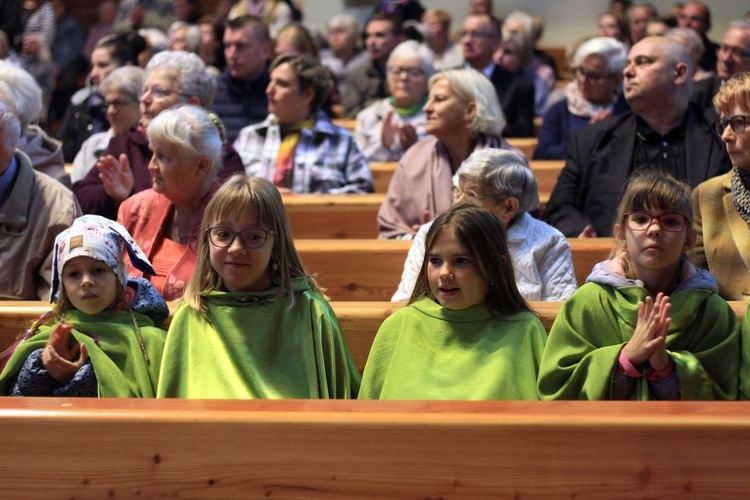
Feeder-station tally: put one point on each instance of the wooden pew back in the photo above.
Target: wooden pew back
(371, 269)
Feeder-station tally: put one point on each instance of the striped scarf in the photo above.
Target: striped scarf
(741, 192)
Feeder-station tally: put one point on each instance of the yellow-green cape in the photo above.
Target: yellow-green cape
(425, 351)
(249, 345)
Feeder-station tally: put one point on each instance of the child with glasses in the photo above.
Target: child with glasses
(647, 324)
(253, 324)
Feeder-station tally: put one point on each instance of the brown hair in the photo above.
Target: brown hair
(734, 92)
(485, 239)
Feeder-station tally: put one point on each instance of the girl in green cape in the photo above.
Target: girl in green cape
(466, 332)
(253, 323)
(102, 338)
(647, 324)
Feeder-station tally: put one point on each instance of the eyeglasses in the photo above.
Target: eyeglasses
(119, 103)
(638, 221)
(460, 194)
(410, 72)
(737, 123)
(592, 77)
(160, 92)
(223, 237)
(476, 34)
(737, 53)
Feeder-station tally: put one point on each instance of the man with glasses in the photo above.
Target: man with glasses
(733, 55)
(663, 130)
(480, 39)
(366, 83)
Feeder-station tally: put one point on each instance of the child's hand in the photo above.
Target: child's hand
(59, 358)
(61, 369)
(648, 341)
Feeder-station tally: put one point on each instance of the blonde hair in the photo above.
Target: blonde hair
(237, 194)
(735, 92)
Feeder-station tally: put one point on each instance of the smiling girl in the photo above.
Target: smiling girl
(102, 337)
(466, 332)
(647, 324)
(253, 323)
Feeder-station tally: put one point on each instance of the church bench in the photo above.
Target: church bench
(370, 269)
(359, 320)
(339, 449)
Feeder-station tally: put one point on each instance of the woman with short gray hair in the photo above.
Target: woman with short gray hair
(172, 78)
(500, 181)
(388, 127)
(121, 90)
(462, 116)
(594, 94)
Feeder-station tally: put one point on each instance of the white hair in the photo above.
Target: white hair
(22, 90)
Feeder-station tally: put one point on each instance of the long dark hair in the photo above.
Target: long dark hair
(485, 239)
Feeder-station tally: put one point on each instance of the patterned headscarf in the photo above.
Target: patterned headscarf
(99, 238)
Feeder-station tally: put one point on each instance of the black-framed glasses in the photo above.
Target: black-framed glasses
(160, 92)
(222, 237)
(737, 123)
(410, 72)
(119, 103)
(639, 221)
(592, 77)
(737, 53)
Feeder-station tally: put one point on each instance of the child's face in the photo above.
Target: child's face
(90, 284)
(453, 276)
(653, 249)
(242, 269)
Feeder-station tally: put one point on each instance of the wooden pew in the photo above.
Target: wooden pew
(350, 216)
(373, 449)
(359, 320)
(527, 145)
(370, 269)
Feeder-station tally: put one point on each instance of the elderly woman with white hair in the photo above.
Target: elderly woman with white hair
(594, 94)
(19, 89)
(388, 127)
(121, 90)
(463, 115)
(165, 219)
(500, 181)
(343, 52)
(172, 78)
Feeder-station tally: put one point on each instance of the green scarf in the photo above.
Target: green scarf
(411, 111)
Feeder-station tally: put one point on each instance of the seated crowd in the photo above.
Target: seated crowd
(192, 132)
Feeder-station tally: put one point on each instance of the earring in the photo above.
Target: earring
(274, 266)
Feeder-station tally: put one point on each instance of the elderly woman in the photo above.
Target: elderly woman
(172, 78)
(387, 128)
(721, 205)
(165, 219)
(19, 89)
(121, 90)
(594, 95)
(297, 147)
(501, 182)
(463, 115)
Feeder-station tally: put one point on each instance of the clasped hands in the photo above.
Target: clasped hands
(648, 343)
(61, 360)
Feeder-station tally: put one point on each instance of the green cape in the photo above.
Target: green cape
(116, 356)
(598, 320)
(425, 351)
(745, 364)
(250, 346)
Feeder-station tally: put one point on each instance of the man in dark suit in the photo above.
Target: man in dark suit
(480, 39)
(696, 16)
(663, 131)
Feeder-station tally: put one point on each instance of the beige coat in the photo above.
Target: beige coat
(723, 245)
(37, 210)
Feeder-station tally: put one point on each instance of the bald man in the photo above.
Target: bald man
(663, 130)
